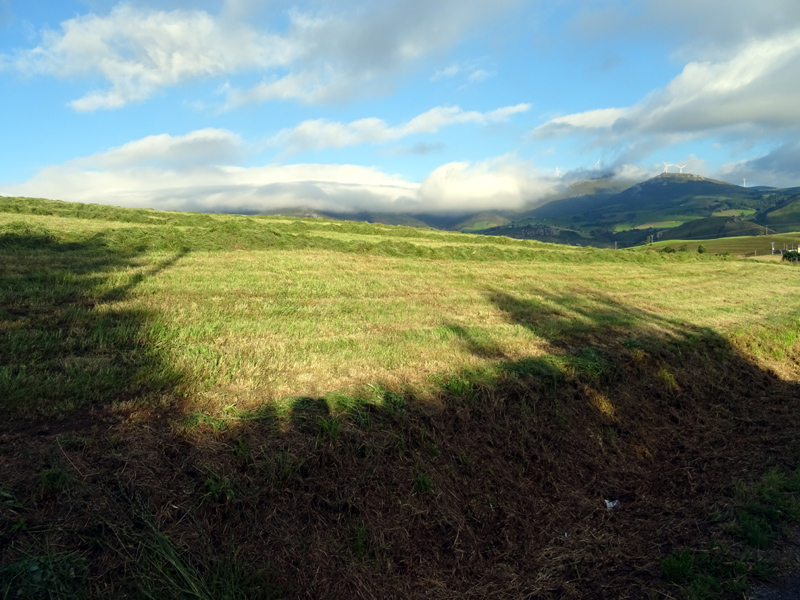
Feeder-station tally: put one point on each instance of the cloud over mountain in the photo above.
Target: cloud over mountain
(188, 173)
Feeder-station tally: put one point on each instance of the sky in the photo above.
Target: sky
(389, 105)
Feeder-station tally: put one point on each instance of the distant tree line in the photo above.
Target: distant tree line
(683, 248)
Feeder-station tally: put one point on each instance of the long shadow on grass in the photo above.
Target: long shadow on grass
(494, 485)
(64, 345)
(565, 321)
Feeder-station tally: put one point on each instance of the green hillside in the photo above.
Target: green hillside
(480, 221)
(713, 227)
(787, 215)
(219, 406)
(567, 208)
(760, 245)
(668, 198)
(671, 205)
(389, 219)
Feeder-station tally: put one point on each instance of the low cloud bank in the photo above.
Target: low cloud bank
(190, 173)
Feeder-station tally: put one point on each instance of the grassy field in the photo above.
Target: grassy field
(215, 406)
(754, 245)
(734, 212)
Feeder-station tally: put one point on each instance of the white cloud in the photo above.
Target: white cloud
(326, 52)
(318, 134)
(223, 188)
(712, 31)
(419, 149)
(699, 29)
(141, 51)
(473, 71)
(588, 120)
(447, 72)
(202, 147)
(499, 183)
(752, 93)
(775, 168)
(628, 172)
(362, 51)
(183, 173)
(479, 75)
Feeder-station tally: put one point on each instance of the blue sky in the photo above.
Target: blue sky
(390, 105)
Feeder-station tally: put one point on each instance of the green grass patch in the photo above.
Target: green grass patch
(734, 212)
(759, 514)
(759, 245)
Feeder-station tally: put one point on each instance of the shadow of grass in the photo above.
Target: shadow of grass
(64, 345)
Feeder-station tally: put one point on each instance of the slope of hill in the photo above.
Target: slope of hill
(758, 246)
(607, 184)
(662, 198)
(483, 220)
(656, 206)
(712, 227)
(219, 406)
(296, 213)
(786, 216)
(525, 230)
(603, 211)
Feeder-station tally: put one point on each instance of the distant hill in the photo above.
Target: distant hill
(392, 219)
(299, 213)
(670, 206)
(482, 221)
(787, 216)
(601, 185)
(661, 198)
(604, 211)
(542, 233)
(712, 227)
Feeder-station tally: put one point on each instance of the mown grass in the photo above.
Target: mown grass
(373, 393)
(758, 245)
(243, 312)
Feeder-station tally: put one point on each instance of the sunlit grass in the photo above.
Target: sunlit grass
(740, 245)
(253, 309)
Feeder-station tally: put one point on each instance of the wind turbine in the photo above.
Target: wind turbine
(744, 182)
(667, 166)
(597, 164)
(558, 172)
(680, 167)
